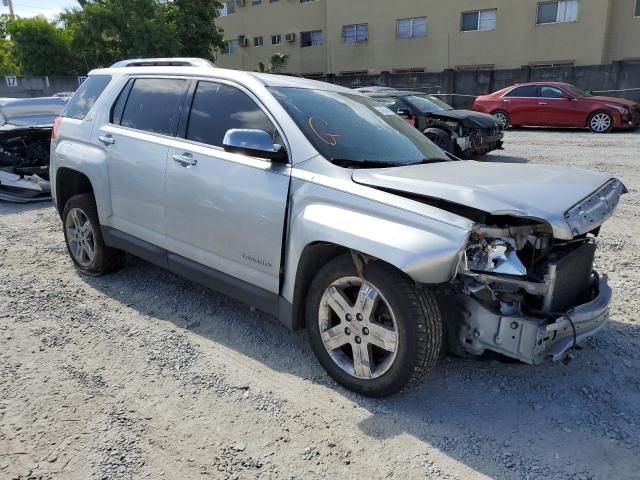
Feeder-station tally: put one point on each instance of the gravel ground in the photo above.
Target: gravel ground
(144, 375)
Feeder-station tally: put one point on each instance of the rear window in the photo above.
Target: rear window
(154, 105)
(84, 98)
(526, 91)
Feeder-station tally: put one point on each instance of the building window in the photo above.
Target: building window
(228, 8)
(230, 47)
(311, 39)
(408, 70)
(256, 2)
(411, 27)
(558, 12)
(479, 20)
(276, 39)
(258, 41)
(636, 13)
(355, 33)
(475, 68)
(307, 1)
(553, 64)
(274, 1)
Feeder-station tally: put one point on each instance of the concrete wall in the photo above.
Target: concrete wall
(614, 76)
(26, 87)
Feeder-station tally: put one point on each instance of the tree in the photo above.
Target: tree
(104, 31)
(40, 48)
(277, 63)
(195, 22)
(8, 64)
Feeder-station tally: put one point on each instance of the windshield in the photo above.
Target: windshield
(576, 91)
(353, 130)
(427, 103)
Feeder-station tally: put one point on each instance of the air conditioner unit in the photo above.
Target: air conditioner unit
(290, 37)
(240, 3)
(243, 41)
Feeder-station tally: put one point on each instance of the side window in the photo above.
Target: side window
(118, 107)
(86, 96)
(547, 91)
(153, 104)
(217, 108)
(526, 91)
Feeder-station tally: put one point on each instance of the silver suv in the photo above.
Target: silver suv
(322, 207)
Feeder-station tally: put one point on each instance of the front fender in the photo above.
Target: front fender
(426, 249)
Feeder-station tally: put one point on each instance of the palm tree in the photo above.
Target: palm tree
(277, 63)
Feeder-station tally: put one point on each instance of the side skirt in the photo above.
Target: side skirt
(262, 299)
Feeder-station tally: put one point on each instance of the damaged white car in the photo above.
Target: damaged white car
(25, 136)
(326, 209)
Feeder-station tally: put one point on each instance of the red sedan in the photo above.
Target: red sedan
(555, 104)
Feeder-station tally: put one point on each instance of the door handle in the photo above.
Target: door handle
(107, 139)
(506, 101)
(542, 103)
(185, 160)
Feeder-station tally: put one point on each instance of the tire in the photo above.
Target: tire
(600, 122)
(503, 118)
(441, 141)
(405, 318)
(82, 235)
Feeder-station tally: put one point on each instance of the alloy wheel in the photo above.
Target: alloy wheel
(80, 237)
(358, 328)
(600, 122)
(502, 119)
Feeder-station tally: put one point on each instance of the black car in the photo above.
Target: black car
(461, 132)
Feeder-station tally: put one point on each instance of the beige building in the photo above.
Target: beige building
(370, 36)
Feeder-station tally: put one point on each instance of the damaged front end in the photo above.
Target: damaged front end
(525, 294)
(25, 137)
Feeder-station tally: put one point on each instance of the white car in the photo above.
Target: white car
(320, 206)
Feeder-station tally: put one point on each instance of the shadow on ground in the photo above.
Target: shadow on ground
(500, 419)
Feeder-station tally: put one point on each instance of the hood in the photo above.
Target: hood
(616, 101)
(530, 191)
(31, 111)
(468, 118)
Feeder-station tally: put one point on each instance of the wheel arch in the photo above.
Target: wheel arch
(70, 182)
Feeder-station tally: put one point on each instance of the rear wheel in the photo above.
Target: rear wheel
(376, 334)
(503, 118)
(84, 240)
(600, 122)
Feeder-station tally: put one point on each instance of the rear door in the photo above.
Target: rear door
(521, 104)
(225, 211)
(141, 127)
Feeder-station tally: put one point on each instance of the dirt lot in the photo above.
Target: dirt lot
(144, 375)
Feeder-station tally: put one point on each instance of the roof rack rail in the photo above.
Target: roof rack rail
(164, 62)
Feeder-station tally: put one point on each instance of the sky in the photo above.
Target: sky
(30, 8)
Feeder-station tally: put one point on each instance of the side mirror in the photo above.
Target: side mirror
(255, 143)
(404, 112)
(567, 96)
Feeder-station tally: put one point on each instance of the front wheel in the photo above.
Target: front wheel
(376, 334)
(600, 122)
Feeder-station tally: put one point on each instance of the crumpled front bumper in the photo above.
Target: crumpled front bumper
(529, 339)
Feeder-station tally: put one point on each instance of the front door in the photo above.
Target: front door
(137, 140)
(555, 110)
(226, 211)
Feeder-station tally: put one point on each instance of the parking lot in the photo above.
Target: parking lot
(144, 375)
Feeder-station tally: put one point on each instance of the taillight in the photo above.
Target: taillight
(56, 127)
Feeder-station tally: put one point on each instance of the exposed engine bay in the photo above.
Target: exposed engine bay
(518, 288)
(25, 138)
